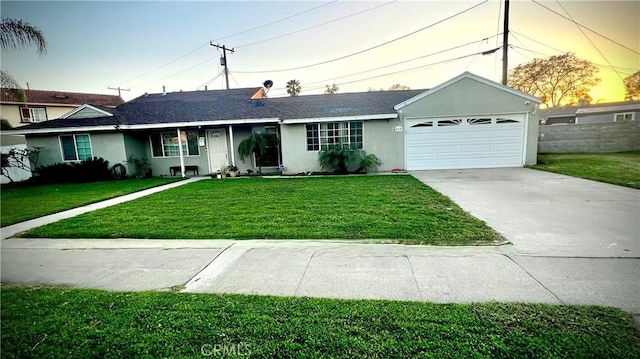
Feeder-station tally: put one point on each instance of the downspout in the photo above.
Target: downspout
(233, 156)
(181, 155)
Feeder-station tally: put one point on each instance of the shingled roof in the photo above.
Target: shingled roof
(236, 104)
(65, 98)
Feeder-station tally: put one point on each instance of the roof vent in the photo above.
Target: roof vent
(61, 96)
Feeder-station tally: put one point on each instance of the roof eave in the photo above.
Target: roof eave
(387, 116)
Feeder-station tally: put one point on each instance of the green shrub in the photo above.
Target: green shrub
(90, 170)
(340, 158)
(55, 173)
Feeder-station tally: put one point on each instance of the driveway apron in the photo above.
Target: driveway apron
(547, 214)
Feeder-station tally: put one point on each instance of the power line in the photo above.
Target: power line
(275, 22)
(176, 73)
(368, 49)
(316, 26)
(406, 61)
(593, 44)
(210, 80)
(584, 27)
(167, 64)
(408, 70)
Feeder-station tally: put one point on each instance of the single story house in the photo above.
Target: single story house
(466, 122)
(622, 111)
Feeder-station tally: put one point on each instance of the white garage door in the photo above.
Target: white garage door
(465, 142)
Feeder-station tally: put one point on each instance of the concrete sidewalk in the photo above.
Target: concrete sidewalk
(324, 269)
(12, 230)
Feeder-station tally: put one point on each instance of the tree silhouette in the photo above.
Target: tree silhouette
(15, 35)
(293, 87)
(558, 80)
(333, 89)
(632, 86)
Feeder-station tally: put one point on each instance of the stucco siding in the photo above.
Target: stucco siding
(109, 146)
(295, 156)
(469, 97)
(11, 112)
(379, 138)
(50, 152)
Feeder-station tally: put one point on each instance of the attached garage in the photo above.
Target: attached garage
(469, 122)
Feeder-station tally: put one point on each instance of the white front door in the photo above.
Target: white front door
(217, 149)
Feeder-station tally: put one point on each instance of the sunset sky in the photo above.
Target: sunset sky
(142, 46)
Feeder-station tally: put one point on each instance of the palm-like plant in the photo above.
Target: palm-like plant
(338, 157)
(293, 87)
(14, 35)
(257, 144)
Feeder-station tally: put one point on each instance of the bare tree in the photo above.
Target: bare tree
(558, 80)
(632, 86)
(23, 159)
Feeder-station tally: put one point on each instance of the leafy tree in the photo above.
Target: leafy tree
(632, 86)
(558, 80)
(398, 87)
(293, 87)
(333, 89)
(15, 35)
(394, 87)
(257, 144)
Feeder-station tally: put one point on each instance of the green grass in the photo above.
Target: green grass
(73, 323)
(617, 168)
(398, 208)
(28, 202)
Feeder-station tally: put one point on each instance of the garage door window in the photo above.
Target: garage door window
(453, 122)
(321, 136)
(479, 121)
(505, 120)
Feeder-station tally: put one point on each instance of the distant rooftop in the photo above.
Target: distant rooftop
(66, 98)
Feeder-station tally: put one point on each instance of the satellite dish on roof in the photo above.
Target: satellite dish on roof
(268, 84)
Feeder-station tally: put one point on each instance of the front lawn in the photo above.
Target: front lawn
(398, 208)
(617, 168)
(28, 202)
(74, 323)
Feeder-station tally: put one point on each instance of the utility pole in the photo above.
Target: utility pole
(505, 42)
(223, 61)
(119, 89)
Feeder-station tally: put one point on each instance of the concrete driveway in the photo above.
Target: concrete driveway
(547, 214)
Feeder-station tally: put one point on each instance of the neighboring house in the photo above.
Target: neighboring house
(592, 113)
(48, 105)
(45, 106)
(466, 122)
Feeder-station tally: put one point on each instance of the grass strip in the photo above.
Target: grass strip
(73, 323)
(622, 169)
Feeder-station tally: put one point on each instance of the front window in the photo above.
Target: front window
(75, 147)
(33, 114)
(623, 117)
(166, 144)
(322, 136)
